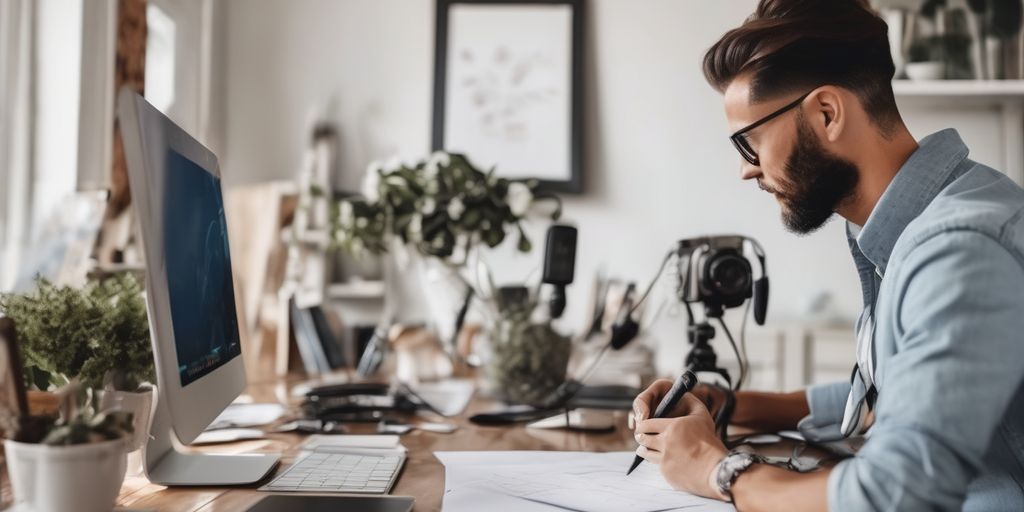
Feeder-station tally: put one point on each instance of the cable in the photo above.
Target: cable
(654, 281)
(743, 332)
(735, 349)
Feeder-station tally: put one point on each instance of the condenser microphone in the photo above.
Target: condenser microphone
(559, 264)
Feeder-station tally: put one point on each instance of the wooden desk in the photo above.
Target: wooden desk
(422, 477)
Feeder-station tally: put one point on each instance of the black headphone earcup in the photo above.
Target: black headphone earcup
(760, 300)
(624, 332)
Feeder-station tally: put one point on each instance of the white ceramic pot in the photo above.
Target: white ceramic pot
(84, 478)
(140, 404)
(926, 70)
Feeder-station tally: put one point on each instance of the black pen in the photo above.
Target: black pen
(683, 385)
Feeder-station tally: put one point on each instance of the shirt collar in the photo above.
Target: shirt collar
(913, 188)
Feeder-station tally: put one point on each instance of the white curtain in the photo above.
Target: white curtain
(16, 22)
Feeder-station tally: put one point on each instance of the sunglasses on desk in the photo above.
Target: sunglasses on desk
(742, 144)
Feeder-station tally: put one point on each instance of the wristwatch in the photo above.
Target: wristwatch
(730, 467)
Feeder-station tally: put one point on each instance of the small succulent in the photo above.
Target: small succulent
(77, 422)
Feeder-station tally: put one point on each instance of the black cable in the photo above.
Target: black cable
(654, 281)
(743, 332)
(735, 349)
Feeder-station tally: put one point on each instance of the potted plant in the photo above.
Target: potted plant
(72, 461)
(432, 218)
(97, 335)
(528, 358)
(925, 60)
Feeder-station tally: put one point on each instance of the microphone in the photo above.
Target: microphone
(559, 264)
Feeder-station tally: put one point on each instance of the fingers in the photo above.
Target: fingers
(651, 441)
(653, 426)
(649, 454)
(645, 401)
(691, 404)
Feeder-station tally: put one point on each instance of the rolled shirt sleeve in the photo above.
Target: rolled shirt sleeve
(958, 321)
(826, 403)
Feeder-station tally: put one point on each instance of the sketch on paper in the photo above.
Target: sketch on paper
(508, 98)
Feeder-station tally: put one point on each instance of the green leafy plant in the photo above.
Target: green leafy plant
(98, 334)
(441, 206)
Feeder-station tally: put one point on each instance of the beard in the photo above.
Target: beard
(816, 183)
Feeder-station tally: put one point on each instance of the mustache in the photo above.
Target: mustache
(767, 188)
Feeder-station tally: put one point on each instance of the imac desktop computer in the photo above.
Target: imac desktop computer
(176, 192)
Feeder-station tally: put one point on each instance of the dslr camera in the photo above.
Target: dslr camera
(715, 271)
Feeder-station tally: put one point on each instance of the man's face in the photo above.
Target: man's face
(807, 180)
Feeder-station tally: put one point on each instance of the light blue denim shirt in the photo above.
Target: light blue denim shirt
(941, 263)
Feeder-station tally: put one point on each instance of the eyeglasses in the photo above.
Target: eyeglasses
(739, 139)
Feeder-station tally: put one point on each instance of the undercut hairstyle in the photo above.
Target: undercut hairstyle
(794, 46)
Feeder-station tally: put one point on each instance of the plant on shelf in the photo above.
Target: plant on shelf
(442, 207)
(98, 334)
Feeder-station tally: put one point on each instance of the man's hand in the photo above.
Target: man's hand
(686, 447)
(645, 403)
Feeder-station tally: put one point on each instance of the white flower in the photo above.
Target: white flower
(519, 198)
(393, 163)
(437, 160)
(455, 208)
(345, 214)
(371, 183)
(428, 206)
(362, 222)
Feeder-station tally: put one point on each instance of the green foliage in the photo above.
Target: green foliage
(440, 206)
(78, 422)
(98, 334)
(528, 360)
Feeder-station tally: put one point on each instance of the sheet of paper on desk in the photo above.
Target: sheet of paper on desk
(450, 397)
(552, 481)
(247, 415)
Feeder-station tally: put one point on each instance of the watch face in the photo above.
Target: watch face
(731, 466)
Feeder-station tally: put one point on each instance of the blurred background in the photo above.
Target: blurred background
(253, 79)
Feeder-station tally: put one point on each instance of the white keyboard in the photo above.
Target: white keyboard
(340, 472)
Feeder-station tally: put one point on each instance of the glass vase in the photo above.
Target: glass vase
(527, 361)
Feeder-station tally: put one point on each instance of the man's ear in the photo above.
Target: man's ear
(828, 106)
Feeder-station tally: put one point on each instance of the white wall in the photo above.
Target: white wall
(659, 165)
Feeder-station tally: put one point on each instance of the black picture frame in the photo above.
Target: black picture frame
(573, 182)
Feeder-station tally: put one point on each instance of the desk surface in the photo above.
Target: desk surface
(422, 477)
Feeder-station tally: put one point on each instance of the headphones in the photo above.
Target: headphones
(713, 270)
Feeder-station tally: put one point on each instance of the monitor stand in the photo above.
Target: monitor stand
(165, 465)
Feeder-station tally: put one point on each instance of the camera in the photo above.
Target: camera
(715, 271)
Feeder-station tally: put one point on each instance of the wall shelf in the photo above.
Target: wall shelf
(979, 89)
(1004, 96)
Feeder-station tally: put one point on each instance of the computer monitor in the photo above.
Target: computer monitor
(176, 192)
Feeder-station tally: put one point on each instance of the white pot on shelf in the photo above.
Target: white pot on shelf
(931, 70)
(84, 477)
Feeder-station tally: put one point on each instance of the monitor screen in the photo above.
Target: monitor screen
(198, 269)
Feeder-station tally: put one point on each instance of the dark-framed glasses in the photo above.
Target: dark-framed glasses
(739, 139)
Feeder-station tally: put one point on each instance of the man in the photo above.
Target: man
(938, 242)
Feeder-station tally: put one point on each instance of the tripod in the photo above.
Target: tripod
(702, 357)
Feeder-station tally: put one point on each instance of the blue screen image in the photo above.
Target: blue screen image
(198, 263)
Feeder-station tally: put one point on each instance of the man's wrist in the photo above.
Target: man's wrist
(728, 469)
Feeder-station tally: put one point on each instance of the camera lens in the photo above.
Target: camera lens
(730, 275)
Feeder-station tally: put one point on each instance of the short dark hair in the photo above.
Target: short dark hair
(792, 46)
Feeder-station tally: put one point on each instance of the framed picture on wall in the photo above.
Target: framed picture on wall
(508, 87)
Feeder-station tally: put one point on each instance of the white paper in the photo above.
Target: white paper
(228, 435)
(450, 397)
(247, 415)
(545, 481)
(342, 441)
